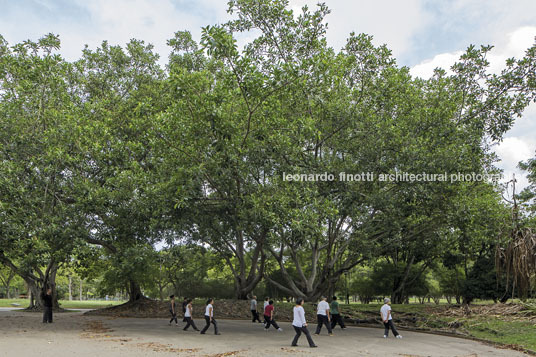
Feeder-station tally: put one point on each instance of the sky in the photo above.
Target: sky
(423, 34)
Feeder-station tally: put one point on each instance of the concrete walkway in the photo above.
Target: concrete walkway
(73, 334)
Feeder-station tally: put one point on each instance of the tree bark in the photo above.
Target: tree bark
(134, 291)
(70, 288)
(37, 281)
(7, 282)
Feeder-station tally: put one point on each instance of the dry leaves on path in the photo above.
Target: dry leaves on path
(159, 347)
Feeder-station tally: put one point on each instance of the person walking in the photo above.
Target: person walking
(269, 317)
(47, 306)
(172, 310)
(335, 315)
(254, 313)
(387, 319)
(188, 316)
(322, 315)
(209, 318)
(300, 325)
(184, 303)
(266, 303)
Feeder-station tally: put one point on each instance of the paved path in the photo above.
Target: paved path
(72, 334)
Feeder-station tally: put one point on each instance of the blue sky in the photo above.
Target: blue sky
(422, 34)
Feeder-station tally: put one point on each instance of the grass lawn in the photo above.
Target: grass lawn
(521, 333)
(74, 304)
(516, 329)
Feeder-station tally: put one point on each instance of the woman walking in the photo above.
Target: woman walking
(336, 317)
(269, 317)
(209, 318)
(172, 310)
(188, 316)
(300, 325)
(266, 303)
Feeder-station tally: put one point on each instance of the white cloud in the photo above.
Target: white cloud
(511, 151)
(514, 44)
(117, 21)
(493, 18)
(391, 22)
(425, 69)
(519, 143)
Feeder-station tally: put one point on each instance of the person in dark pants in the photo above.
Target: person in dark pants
(184, 303)
(47, 306)
(209, 318)
(387, 319)
(335, 315)
(269, 317)
(266, 302)
(172, 310)
(300, 325)
(323, 317)
(254, 313)
(188, 316)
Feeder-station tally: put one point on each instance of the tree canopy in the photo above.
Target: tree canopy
(112, 155)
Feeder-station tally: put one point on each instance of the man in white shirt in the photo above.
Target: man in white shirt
(323, 318)
(387, 319)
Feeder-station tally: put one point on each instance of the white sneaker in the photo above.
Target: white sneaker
(399, 336)
(280, 329)
(384, 336)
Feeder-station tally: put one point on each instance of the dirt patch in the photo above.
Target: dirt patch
(95, 330)
(290, 350)
(225, 354)
(159, 347)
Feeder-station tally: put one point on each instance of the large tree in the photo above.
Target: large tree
(120, 96)
(38, 138)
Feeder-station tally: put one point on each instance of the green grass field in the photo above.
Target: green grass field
(518, 330)
(74, 304)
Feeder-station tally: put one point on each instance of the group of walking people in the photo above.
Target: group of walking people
(188, 310)
(327, 314)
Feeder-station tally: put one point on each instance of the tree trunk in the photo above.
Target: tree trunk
(7, 282)
(36, 299)
(134, 291)
(70, 288)
(161, 291)
(80, 292)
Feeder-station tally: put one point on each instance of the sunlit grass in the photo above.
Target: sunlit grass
(74, 304)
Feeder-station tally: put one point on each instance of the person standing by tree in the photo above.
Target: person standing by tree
(254, 313)
(300, 325)
(387, 319)
(47, 306)
(172, 310)
(209, 318)
(188, 316)
(335, 315)
(269, 317)
(184, 303)
(323, 317)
